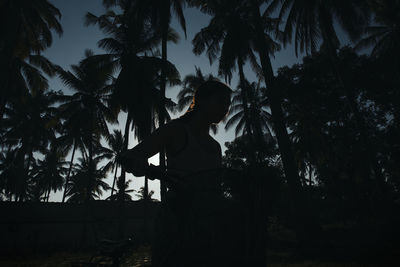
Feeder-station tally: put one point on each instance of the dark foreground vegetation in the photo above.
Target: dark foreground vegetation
(317, 144)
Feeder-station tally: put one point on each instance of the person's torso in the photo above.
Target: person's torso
(192, 162)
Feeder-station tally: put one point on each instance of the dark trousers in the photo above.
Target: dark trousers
(203, 230)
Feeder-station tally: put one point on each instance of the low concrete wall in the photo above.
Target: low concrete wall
(53, 226)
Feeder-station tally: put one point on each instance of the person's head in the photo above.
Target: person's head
(212, 100)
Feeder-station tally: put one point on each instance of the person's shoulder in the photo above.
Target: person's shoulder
(174, 127)
(175, 124)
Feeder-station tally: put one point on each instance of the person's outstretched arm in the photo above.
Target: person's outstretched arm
(135, 160)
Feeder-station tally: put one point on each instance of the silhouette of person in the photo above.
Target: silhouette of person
(186, 231)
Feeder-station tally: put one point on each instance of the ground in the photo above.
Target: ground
(140, 257)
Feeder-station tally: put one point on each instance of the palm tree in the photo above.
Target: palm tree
(161, 17)
(71, 138)
(24, 77)
(29, 25)
(116, 143)
(135, 88)
(384, 37)
(260, 116)
(262, 122)
(227, 37)
(158, 13)
(261, 25)
(122, 191)
(48, 173)
(142, 195)
(384, 40)
(85, 175)
(261, 119)
(26, 33)
(230, 34)
(313, 21)
(236, 116)
(9, 174)
(91, 83)
(30, 126)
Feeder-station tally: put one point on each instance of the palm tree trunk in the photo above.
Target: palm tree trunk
(298, 209)
(125, 148)
(258, 132)
(69, 172)
(89, 182)
(30, 155)
(244, 95)
(288, 160)
(146, 178)
(48, 195)
(146, 188)
(121, 193)
(90, 162)
(115, 178)
(165, 27)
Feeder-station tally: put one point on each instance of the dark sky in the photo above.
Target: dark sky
(69, 49)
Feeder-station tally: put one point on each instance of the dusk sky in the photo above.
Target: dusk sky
(69, 49)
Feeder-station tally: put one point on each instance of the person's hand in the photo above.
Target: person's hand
(154, 172)
(133, 164)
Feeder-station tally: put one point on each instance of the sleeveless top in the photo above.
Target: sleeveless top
(192, 158)
(185, 226)
(192, 162)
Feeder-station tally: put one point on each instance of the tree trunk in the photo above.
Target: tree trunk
(258, 130)
(90, 162)
(288, 160)
(89, 182)
(121, 193)
(69, 172)
(146, 188)
(115, 178)
(26, 173)
(303, 219)
(255, 114)
(48, 195)
(125, 148)
(244, 94)
(165, 27)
